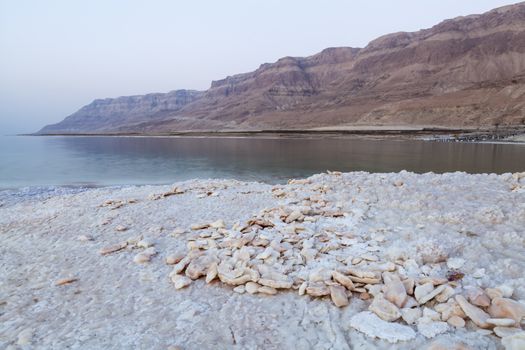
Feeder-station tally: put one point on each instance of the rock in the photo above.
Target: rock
(141, 258)
(180, 281)
(252, 287)
(113, 248)
(317, 289)
(277, 284)
(212, 273)
(295, 215)
(425, 298)
(477, 296)
(431, 314)
(25, 337)
(384, 309)
(338, 295)
(218, 224)
(239, 289)
(181, 265)
(368, 323)
(423, 290)
(85, 238)
(456, 321)
(64, 281)
(494, 293)
(479, 273)
(121, 228)
(410, 316)
(514, 342)
(432, 328)
(455, 263)
(267, 290)
(199, 266)
(196, 227)
(409, 285)
(506, 290)
(145, 243)
(394, 289)
(506, 331)
(506, 308)
(343, 280)
(447, 292)
(172, 259)
(302, 288)
(501, 322)
(478, 316)
(452, 309)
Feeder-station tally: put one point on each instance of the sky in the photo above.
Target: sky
(58, 55)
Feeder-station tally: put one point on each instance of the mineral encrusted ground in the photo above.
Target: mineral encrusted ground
(336, 261)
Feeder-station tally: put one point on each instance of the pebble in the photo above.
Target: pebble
(384, 309)
(64, 281)
(252, 287)
(343, 280)
(477, 315)
(121, 228)
(141, 258)
(455, 263)
(267, 290)
(239, 289)
(506, 331)
(85, 238)
(144, 243)
(113, 248)
(172, 259)
(180, 281)
(394, 289)
(456, 321)
(423, 290)
(502, 322)
(506, 308)
(338, 295)
(514, 342)
(25, 337)
(410, 316)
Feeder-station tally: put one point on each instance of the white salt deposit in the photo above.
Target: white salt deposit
(359, 224)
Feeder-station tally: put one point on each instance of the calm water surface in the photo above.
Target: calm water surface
(42, 161)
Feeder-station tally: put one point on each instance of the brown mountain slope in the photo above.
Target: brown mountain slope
(468, 71)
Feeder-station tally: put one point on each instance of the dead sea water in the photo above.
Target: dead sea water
(103, 161)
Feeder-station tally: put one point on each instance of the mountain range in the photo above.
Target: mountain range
(461, 73)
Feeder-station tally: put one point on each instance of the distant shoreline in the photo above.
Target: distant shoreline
(502, 135)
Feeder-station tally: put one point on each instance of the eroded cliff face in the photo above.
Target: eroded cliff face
(467, 71)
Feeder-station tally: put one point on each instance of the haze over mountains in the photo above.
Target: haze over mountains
(464, 72)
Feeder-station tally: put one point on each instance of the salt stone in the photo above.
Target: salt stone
(506, 308)
(338, 295)
(343, 280)
(141, 258)
(121, 228)
(267, 290)
(252, 287)
(409, 285)
(432, 294)
(477, 297)
(423, 290)
(25, 337)
(456, 321)
(431, 314)
(384, 309)
(410, 316)
(180, 281)
(218, 224)
(432, 328)
(502, 322)
(145, 243)
(239, 289)
(317, 289)
(506, 290)
(368, 323)
(394, 290)
(514, 342)
(506, 331)
(64, 281)
(447, 292)
(479, 273)
(85, 238)
(455, 263)
(478, 316)
(172, 259)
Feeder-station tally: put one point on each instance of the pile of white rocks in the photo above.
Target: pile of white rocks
(297, 247)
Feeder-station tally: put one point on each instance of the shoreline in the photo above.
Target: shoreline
(103, 255)
(488, 135)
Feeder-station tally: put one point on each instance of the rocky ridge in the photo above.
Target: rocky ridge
(464, 72)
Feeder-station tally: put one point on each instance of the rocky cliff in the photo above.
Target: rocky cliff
(467, 71)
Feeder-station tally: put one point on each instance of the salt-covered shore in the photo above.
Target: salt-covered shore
(423, 261)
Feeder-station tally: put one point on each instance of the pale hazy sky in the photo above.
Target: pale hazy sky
(58, 55)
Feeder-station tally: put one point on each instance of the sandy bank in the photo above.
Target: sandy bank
(458, 232)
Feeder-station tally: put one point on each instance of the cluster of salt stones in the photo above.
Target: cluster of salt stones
(273, 252)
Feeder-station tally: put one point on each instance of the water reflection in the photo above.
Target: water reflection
(125, 160)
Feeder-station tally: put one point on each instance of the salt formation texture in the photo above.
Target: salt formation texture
(335, 261)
